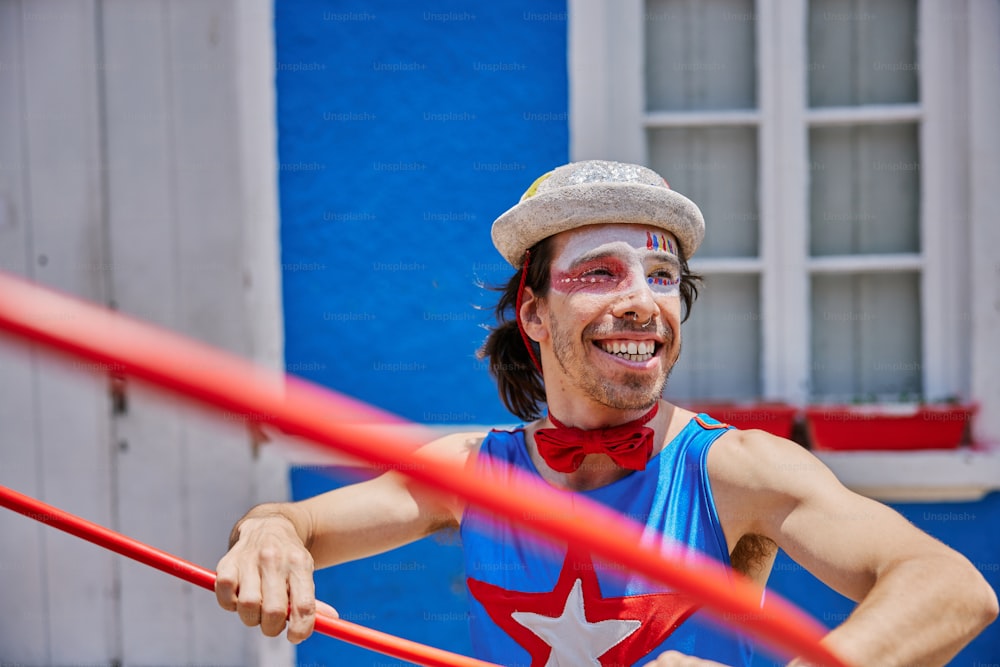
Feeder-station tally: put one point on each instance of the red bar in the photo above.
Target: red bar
(397, 647)
(225, 381)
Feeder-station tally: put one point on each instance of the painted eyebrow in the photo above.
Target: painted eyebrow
(658, 257)
(666, 258)
(593, 256)
(605, 251)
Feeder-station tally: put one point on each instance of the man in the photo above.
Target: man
(589, 326)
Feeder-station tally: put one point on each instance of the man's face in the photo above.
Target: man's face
(613, 313)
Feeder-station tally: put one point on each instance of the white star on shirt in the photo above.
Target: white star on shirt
(574, 639)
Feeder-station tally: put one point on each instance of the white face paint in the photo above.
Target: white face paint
(612, 258)
(614, 287)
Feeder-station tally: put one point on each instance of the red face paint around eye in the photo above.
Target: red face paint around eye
(597, 276)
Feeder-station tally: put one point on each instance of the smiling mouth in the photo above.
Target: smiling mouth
(629, 350)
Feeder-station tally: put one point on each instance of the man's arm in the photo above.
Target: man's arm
(920, 601)
(267, 574)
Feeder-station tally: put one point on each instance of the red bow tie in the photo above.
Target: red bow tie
(629, 445)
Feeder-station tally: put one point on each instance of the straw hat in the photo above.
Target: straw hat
(596, 192)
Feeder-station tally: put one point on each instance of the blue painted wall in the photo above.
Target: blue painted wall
(403, 132)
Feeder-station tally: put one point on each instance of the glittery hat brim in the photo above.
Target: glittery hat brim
(569, 207)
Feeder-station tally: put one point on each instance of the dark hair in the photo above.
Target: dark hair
(519, 382)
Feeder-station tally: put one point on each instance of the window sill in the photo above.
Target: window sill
(955, 475)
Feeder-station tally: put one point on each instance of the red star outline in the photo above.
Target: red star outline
(659, 613)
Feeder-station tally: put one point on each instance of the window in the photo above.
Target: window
(864, 199)
(808, 132)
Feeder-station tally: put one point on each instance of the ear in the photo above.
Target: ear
(534, 316)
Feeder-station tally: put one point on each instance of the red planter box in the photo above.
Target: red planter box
(776, 418)
(886, 427)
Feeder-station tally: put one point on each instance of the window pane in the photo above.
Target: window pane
(862, 52)
(721, 357)
(864, 189)
(866, 336)
(717, 169)
(700, 54)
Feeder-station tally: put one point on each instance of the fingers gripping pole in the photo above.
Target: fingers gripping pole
(227, 382)
(199, 576)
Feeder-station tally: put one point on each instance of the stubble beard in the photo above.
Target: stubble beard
(630, 391)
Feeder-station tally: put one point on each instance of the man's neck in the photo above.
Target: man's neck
(590, 415)
(598, 470)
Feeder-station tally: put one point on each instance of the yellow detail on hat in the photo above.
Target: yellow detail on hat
(530, 192)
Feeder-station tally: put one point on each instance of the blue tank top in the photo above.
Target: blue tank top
(533, 603)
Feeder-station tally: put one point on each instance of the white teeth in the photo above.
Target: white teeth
(630, 349)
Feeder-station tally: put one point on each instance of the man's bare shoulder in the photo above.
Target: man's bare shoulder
(758, 479)
(460, 447)
(754, 460)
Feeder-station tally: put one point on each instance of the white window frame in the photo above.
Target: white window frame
(608, 120)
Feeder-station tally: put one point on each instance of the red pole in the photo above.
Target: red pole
(227, 382)
(396, 647)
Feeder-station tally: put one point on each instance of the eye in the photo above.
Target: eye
(664, 274)
(598, 272)
(667, 277)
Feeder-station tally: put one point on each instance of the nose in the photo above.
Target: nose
(637, 302)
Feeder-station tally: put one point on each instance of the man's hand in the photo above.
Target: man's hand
(675, 659)
(267, 577)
